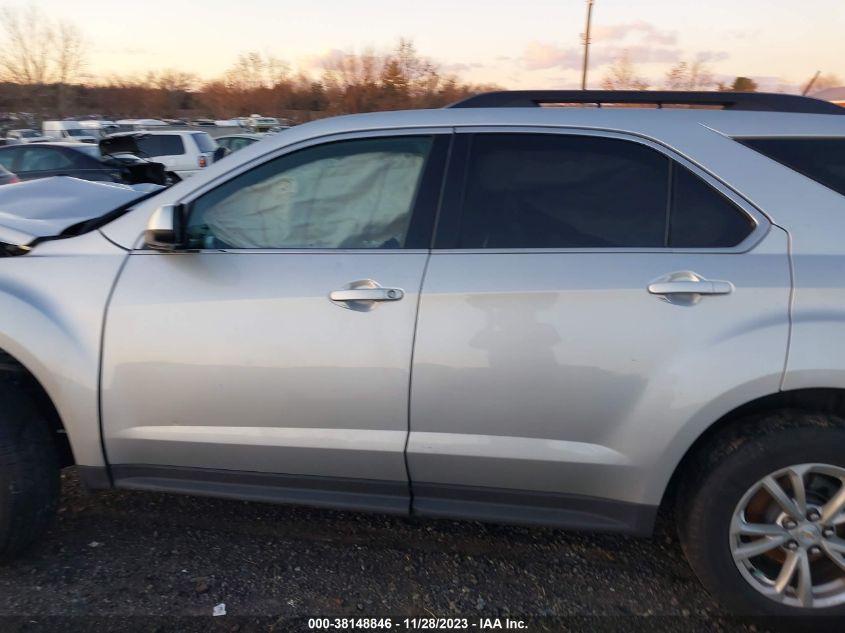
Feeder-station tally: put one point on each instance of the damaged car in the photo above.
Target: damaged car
(563, 316)
(84, 161)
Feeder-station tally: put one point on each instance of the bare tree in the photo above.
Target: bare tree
(623, 76)
(686, 76)
(69, 52)
(37, 51)
(25, 53)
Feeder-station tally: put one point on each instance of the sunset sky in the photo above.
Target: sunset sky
(517, 44)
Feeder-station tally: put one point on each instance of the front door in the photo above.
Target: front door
(282, 343)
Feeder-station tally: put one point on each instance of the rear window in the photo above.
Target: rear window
(161, 145)
(822, 159)
(204, 142)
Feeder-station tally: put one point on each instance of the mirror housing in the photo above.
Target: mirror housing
(165, 230)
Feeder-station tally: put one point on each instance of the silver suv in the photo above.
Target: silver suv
(495, 311)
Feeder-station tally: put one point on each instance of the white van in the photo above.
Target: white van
(71, 131)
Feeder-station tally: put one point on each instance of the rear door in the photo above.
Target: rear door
(588, 296)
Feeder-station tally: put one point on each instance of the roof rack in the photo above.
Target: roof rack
(758, 101)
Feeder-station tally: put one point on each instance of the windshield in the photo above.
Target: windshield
(78, 133)
(28, 133)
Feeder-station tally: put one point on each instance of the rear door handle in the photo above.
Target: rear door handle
(367, 294)
(703, 287)
(363, 295)
(686, 288)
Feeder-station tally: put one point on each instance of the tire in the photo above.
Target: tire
(29, 472)
(724, 475)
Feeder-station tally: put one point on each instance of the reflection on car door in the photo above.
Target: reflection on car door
(559, 347)
(282, 345)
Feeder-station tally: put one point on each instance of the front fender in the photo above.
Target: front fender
(52, 305)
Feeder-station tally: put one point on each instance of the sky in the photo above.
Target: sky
(515, 43)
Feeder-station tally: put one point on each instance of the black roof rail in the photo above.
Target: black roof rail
(758, 101)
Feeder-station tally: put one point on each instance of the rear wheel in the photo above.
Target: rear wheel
(29, 472)
(762, 521)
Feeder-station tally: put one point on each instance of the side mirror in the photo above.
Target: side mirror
(164, 230)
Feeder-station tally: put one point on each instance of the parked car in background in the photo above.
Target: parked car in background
(234, 142)
(78, 160)
(139, 124)
(7, 177)
(99, 128)
(70, 131)
(26, 136)
(181, 152)
(203, 123)
(258, 123)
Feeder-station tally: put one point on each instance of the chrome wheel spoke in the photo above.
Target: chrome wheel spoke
(786, 572)
(804, 588)
(799, 492)
(780, 496)
(834, 549)
(835, 545)
(832, 510)
(760, 529)
(755, 548)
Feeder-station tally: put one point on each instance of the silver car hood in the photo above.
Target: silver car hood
(44, 208)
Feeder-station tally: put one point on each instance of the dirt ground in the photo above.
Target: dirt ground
(155, 562)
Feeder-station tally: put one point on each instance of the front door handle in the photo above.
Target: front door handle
(362, 295)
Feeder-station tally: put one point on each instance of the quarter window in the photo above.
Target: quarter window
(701, 217)
(349, 194)
(570, 191)
(822, 159)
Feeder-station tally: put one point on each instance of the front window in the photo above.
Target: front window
(349, 194)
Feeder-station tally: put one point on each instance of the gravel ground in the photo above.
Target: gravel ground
(155, 562)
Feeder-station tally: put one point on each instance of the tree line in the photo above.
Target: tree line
(41, 63)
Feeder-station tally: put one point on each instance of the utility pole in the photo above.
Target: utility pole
(810, 85)
(586, 36)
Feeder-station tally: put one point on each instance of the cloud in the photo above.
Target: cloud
(712, 56)
(542, 55)
(639, 29)
(460, 67)
(638, 54)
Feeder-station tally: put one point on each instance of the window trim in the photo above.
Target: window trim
(442, 134)
(450, 211)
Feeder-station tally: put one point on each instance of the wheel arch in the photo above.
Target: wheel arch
(825, 400)
(14, 371)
